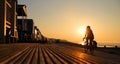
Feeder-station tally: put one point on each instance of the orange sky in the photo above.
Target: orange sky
(64, 18)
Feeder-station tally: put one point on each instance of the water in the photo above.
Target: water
(108, 44)
(104, 44)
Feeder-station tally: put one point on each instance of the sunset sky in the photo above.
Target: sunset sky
(64, 19)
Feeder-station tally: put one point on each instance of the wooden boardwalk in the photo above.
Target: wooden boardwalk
(29, 53)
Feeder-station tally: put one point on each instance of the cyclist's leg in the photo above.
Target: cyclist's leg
(91, 46)
(87, 46)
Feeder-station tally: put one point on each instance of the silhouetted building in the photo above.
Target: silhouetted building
(37, 35)
(21, 10)
(8, 15)
(25, 29)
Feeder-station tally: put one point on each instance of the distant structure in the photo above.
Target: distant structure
(22, 11)
(8, 16)
(14, 25)
(37, 35)
(25, 30)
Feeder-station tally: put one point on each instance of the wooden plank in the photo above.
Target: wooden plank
(26, 56)
(55, 60)
(9, 59)
(59, 58)
(48, 60)
(42, 59)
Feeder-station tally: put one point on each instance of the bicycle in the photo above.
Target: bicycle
(89, 47)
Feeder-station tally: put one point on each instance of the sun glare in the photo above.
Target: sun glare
(82, 43)
(82, 31)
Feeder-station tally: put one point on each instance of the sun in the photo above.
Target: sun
(82, 31)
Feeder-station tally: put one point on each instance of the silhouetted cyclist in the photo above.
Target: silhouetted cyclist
(89, 36)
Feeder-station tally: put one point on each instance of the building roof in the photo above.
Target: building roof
(21, 10)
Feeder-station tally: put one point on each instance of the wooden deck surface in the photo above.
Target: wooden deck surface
(34, 53)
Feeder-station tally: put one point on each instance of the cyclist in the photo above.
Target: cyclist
(89, 36)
